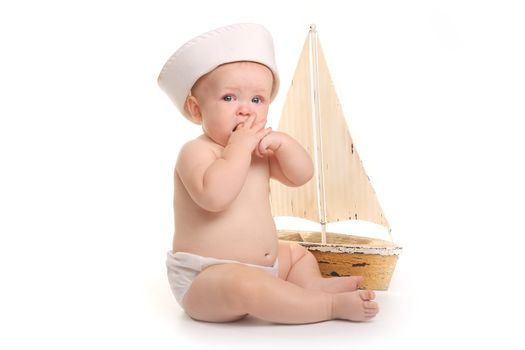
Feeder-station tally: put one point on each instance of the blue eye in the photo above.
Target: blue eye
(256, 100)
(228, 98)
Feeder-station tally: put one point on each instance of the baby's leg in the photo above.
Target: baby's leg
(228, 292)
(299, 266)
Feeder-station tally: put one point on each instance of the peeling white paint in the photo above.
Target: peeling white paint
(348, 249)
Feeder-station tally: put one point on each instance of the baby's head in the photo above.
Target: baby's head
(197, 58)
(228, 96)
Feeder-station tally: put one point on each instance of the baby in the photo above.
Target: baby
(226, 261)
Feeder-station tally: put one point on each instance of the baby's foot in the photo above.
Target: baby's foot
(339, 284)
(355, 306)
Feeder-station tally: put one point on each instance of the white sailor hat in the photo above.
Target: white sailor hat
(201, 55)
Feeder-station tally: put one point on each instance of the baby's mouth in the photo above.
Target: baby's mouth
(236, 126)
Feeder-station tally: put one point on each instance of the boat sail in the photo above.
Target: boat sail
(340, 189)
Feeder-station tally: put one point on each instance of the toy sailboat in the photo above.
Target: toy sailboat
(340, 189)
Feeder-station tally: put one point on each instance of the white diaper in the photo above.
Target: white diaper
(184, 267)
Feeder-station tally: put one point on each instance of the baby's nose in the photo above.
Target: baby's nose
(244, 110)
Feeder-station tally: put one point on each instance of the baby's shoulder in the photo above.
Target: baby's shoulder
(198, 145)
(198, 149)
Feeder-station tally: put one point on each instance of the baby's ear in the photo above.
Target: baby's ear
(192, 107)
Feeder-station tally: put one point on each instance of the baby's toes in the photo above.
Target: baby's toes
(371, 306)
(367, 295)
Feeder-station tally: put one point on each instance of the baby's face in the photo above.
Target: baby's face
(230, 94)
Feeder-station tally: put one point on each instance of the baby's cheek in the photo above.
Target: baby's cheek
(262, 114)
(261, 119)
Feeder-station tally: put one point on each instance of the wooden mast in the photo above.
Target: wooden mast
(317, 126)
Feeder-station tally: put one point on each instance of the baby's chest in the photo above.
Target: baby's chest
(257, 179)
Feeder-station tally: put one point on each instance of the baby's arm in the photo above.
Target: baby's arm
(212, 181)
(289, 161)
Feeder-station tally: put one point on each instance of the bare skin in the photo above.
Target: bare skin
(222, 210)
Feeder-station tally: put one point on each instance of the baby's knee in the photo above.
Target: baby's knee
(297, 251)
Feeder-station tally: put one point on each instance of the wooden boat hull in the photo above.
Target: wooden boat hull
(346, 255)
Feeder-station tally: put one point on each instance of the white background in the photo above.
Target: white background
(433, 92)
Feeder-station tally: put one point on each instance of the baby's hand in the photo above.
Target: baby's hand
(248, 134)
(269, 144)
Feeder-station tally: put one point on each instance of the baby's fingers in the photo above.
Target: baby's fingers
(263, 133)
(249, 122)
(260, 150)
(264, 142)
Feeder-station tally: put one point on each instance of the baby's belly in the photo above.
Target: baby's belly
(245, 237)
